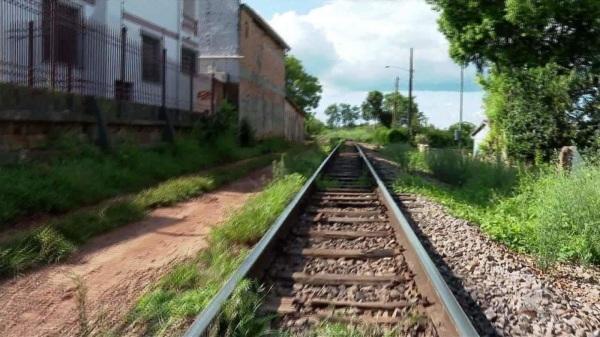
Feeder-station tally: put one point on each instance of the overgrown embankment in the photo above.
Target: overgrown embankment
(552, 214)
(170, 305)
(82, 174)
(59, 238)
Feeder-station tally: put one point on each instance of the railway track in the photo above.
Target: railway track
(343, 252)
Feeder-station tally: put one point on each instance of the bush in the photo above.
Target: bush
(398, 136)
(457, 169)
(567, 211)
(448, 166)
(440, 138)
(245, 133)
(554, 215)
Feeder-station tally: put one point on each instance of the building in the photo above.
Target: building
(238, 47)
(137, 61)
(106, 48)
(105, 69)
(294, 122)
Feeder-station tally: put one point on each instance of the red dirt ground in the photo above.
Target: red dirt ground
(114, 269)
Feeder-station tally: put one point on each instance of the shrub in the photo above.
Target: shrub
(567, 210)
(448, 166)
(398, 136)
(440, 138)
(245, 133)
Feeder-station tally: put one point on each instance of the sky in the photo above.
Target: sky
(348, 43)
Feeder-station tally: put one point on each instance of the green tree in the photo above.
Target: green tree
(398, 101)
(527, 112)
(516, 33)
(372, 107)
(464, 129)
(349, 114)
(521, 41)
(339, 115)
(301, 87)
(334, 116)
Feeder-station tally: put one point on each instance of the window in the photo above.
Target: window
(188, 61)
(247, 29)
(61, 26)
(151, 59)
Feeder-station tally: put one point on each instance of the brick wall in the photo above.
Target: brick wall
(262, 79)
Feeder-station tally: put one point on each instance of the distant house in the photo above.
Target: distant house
(247, 57)
(479, 135)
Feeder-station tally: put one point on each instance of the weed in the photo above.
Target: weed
(83, 175)
(551, 214)
(188, 288)
(58, 239)
(81, 298)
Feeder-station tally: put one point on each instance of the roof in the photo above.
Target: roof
(480, 127)
(265, 26)
(295, 106)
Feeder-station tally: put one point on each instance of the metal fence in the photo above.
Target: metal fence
(48, 44)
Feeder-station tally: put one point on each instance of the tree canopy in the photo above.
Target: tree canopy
(401, 102)
(302, 88)
(343, 114)
(543, 84)
(372, 107)
(517, 33)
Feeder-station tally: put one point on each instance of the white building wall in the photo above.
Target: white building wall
(158, 18)
(219, 37)
(479, 138)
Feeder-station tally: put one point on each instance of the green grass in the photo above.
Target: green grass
(374, 134)
(552, 215)
(58, 239)
(168, 308)
(84, 175)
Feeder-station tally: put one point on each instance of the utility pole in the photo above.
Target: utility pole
(410, 96)
(462, 89)
(395, 117)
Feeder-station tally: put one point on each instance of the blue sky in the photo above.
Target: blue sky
(348, 43)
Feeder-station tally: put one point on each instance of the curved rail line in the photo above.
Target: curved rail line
(343, 251)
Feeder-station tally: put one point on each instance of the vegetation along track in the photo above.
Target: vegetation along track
(341, 253)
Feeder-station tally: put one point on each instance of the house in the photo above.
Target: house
(104, 48)
(138, 61)
(238, 47)
(479, 135)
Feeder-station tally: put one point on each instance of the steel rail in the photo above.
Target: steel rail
(461, 321)
(203, 321)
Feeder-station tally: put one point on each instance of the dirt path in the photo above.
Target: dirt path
(107, 275)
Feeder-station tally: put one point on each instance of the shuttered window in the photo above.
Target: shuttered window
(151, 59)
(61, 27)
(188, 61)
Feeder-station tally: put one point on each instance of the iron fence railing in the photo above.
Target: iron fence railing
(50, 44)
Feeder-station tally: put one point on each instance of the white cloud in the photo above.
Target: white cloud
(347, 43)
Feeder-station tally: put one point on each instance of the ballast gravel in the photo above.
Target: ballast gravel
(503, 292)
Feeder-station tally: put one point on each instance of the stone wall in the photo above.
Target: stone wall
(30, 119)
